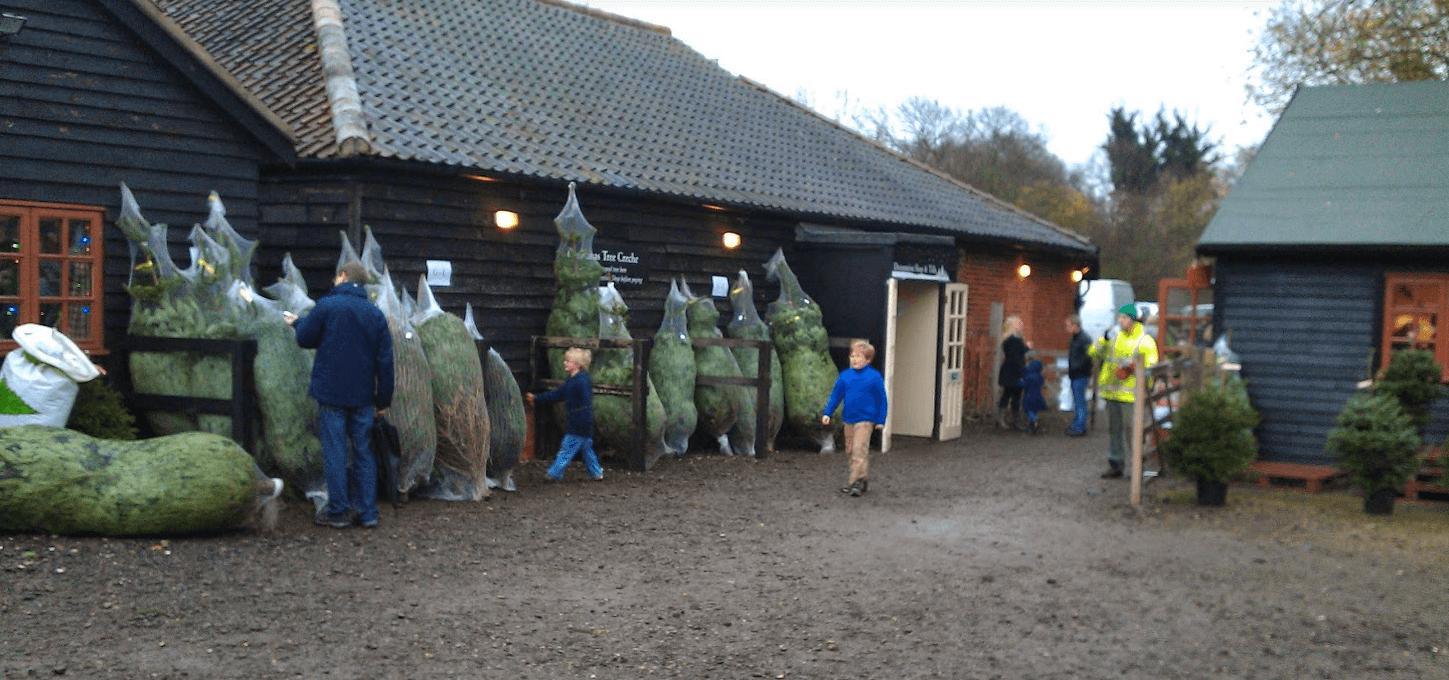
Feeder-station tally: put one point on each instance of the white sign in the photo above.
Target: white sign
(440, 273)
(721, 286)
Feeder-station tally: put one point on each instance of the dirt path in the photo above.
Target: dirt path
(995, 556)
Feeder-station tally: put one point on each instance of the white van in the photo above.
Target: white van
(1101, 298)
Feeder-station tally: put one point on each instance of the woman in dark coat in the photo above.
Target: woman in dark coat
(1013, 361)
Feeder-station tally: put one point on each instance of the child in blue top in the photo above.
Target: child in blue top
(577, 394)
(862, 391)
(1031, 400)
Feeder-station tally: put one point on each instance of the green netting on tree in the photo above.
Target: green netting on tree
(508, 421)
(178, 303)
(64, 482)
(614, 415)
(575, 312)
(721, 407)
(672, 372)
(459, 404)
(289, 447)
(747, 325)
(799, 333)
(412, 411)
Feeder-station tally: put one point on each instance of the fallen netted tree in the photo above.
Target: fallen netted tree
(459, 405)
(508, 421)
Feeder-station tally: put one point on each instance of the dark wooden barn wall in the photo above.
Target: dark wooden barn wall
(507, 276)
(1307, 333)
(86, 106)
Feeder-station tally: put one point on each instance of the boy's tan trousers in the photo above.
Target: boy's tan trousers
(857, 443)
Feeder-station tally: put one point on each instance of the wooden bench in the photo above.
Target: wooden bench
(1288, 475)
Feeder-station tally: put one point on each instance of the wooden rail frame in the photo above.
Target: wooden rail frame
(241, 407)
(638, 391)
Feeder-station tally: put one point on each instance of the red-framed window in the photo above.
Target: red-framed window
(50, 270)
(1414, 306)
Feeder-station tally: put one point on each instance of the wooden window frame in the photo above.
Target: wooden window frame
(29, 260)
(1391, 340)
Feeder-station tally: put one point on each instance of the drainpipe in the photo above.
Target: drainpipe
(347, 118)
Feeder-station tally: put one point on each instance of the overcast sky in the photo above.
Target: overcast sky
(1061, 65)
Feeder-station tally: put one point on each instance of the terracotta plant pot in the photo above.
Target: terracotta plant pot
(1199, 275)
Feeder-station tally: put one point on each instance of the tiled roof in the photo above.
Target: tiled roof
(548, 90)
(1346, 166)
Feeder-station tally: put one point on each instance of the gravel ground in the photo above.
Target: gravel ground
(998, 555)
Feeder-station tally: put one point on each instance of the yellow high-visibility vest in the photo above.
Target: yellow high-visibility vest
(1119, 352)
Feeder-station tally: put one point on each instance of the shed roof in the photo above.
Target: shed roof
(541, 88)
(1345, 166)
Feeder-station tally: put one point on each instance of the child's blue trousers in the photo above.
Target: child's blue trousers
(570, 447)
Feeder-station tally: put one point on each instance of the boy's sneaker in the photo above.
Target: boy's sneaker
(326, 519)
(598, 478)
(857, 488)
(368, 523)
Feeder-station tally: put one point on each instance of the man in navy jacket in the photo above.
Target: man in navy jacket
(351, 376)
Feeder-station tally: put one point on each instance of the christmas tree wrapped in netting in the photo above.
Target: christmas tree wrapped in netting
(461, 464)
(507, 420)
(798, 330)
(721, 407)
(672, 372)
(214, 298)
(170, 302)
(412, 411)
(746, 324)
(613, 414)
(575, 312)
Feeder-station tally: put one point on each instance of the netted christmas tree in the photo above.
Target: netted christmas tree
(507, 419)
(746, 324)
(613, 414)
(672, 371)
(797, 327)
(722, 408)
(459, 405)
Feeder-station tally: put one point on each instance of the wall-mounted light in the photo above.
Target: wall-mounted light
(481, 178)
(707, 206)
(1023, 271)
(505, 219)
(1076, 275)
(10, 24)
(731, 240)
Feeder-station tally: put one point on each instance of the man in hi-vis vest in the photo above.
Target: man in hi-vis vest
(1117, 381)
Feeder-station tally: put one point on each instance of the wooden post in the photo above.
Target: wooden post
(762, 400)
(639, 458)
(1139, 404)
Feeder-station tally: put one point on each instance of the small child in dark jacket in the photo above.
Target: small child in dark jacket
(1031, 400)
(577, 394)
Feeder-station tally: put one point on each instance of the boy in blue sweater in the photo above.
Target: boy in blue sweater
(862, 390)
(577, 394)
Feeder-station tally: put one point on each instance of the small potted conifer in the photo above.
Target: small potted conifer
(1212, 437)
(1377, 446)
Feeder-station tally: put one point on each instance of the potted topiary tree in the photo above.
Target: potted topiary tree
(1377, 446)
(1413, 378)
(1212, 437)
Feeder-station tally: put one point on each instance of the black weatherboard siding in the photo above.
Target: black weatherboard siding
(1307, 334)
(86, 104)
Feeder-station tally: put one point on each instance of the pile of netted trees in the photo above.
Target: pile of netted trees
(688, 350)
(459, 416)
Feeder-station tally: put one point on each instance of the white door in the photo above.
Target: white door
(890, 365)
(953, 359)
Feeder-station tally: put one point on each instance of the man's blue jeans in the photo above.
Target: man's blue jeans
(570, 447)
(1079, 403)
(351, 480)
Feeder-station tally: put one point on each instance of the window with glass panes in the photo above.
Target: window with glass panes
(50, 270)
(1414, 306)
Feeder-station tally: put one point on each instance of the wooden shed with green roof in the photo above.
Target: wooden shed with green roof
(1332, 252)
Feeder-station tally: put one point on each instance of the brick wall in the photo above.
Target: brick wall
(1043, 300)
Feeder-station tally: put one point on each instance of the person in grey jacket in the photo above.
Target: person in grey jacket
(352, 379)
